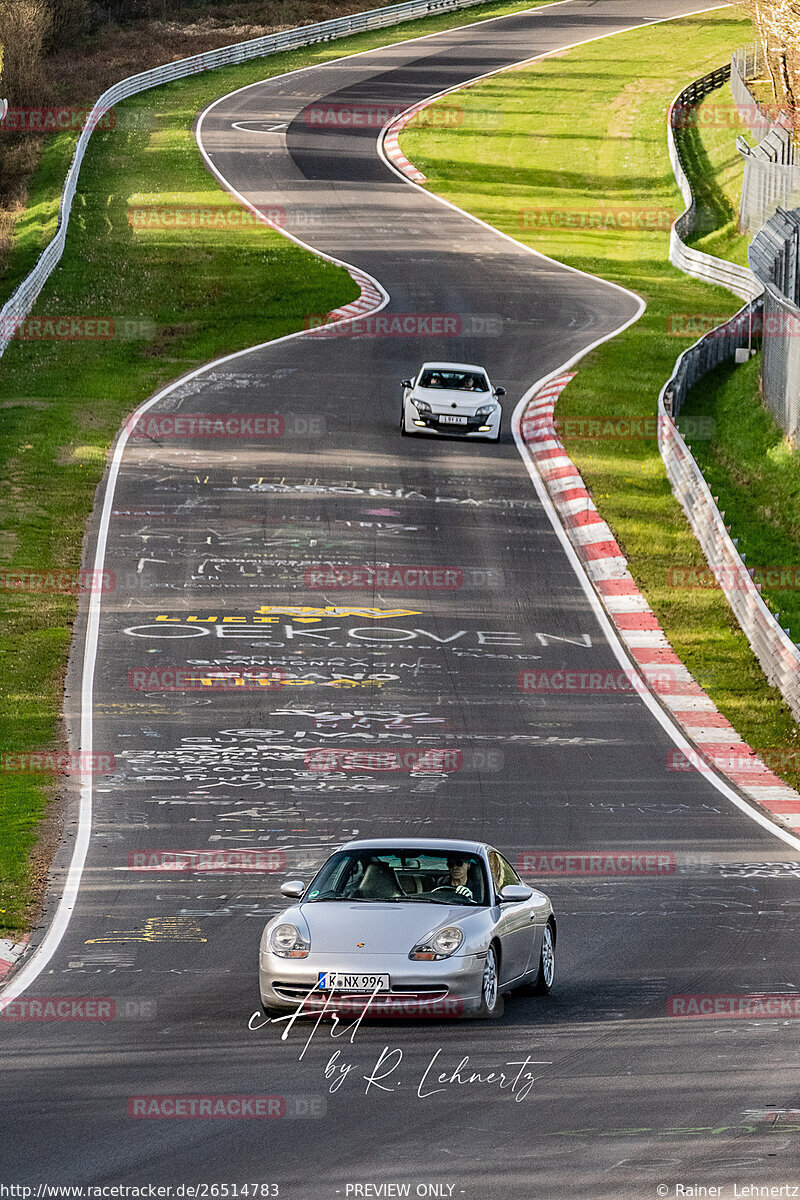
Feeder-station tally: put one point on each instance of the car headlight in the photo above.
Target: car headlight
(421, 405)
(486, 410)
(288, 942)
(439, 944)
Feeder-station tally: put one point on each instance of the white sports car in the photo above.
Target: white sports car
(449, 399)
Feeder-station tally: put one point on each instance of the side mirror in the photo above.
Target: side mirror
(406, 383)
(499, 391)
(515, 893)
(293, 888)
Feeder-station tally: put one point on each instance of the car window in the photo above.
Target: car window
(503, 873)
(418, 875)
(510, 876)
(458, 381)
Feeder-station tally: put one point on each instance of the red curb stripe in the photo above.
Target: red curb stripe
(588, 516)
(578, 493)
(560, 473)
(706, 720)
(723, 750)
(789, 805)
(594, 550)
(646, 654)
(678, 687)
(756, 779)
(616, 587)
(636, 620)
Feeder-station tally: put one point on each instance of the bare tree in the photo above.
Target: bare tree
(777, 24)
(24, 28)
(69, 21)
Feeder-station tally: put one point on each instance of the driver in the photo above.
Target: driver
(459, 869)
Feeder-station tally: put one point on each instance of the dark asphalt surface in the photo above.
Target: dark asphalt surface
(625, 1098)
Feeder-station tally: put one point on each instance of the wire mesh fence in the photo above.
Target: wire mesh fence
(775, 258)
(771, 178)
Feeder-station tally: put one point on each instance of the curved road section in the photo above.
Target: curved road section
(247, 661)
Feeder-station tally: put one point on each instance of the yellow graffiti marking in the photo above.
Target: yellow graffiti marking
(269, 614)
(304, 613)
(155, 929)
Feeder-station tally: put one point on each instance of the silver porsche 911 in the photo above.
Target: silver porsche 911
(411, 925)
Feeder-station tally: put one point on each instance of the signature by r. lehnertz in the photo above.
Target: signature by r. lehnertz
(515, 1077)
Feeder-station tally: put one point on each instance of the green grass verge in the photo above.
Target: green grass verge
(755, 471)
(192, 296)
(586, 132)
(714, 165)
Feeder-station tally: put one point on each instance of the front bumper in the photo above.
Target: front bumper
(475, 427)
(450, 987)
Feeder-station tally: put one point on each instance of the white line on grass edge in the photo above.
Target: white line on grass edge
(47, 948)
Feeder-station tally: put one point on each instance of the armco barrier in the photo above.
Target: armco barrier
(778, 655)
(23, 299)
(738, 280)
(776, 652)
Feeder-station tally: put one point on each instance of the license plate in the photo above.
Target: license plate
(447, 420)
(342, 981)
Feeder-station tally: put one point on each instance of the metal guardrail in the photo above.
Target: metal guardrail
(776, 652)
(21, 302)
(696, 263)
(715, 347)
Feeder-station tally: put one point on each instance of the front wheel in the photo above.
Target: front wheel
(490, 986)
(547, 963)
(403, 430)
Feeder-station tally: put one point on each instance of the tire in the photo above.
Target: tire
(491, 1003)
(543, 984)
(403, 431)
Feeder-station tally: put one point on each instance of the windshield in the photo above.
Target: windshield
(456, 381)
(434, 877)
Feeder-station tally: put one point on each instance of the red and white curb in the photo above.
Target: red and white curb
(391, 143)
(718, 744)
(10, 954)
(367, 302)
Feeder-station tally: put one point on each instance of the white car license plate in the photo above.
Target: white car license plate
(448, 420)
(343, 981)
